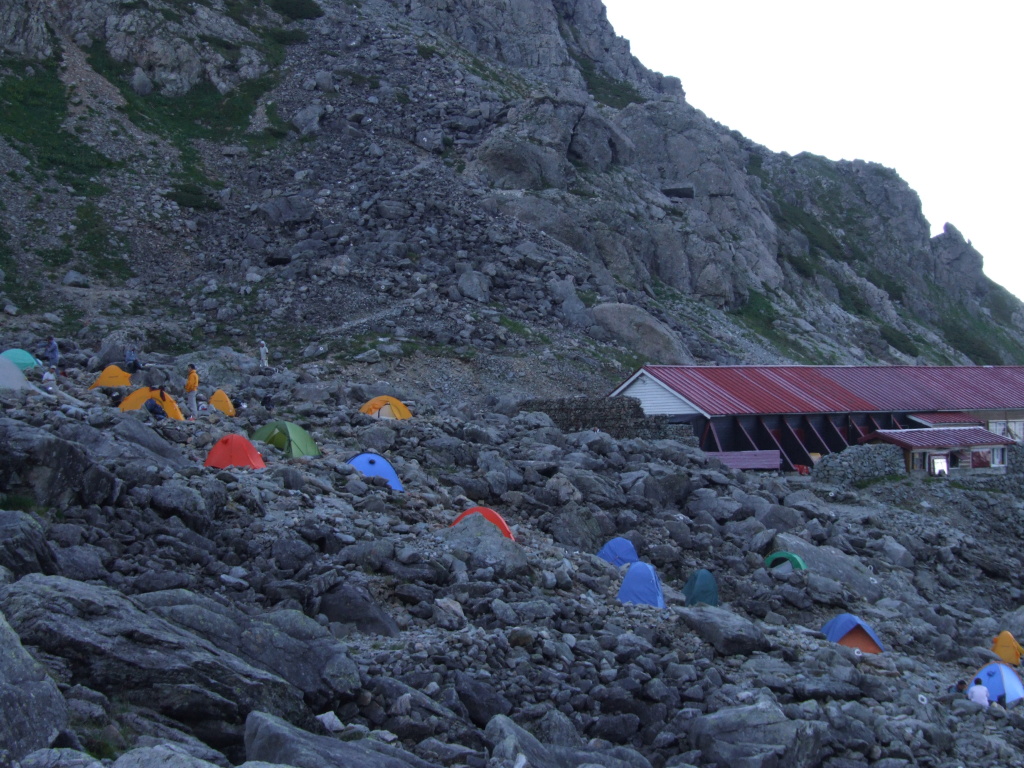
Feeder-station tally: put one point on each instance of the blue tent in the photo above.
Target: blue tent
(701, 587)
(1000, 679)
(375, 465)
(641, 585)
(618, 552)
(849, 630)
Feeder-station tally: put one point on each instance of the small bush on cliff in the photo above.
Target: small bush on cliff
(297, 9)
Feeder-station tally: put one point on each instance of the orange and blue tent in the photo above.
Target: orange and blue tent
(491, 516)
(234, 451)
(851, 631)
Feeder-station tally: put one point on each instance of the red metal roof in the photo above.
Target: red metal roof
(729, 390)
(941, 437)
(950, 418)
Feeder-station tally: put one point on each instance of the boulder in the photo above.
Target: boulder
(644, 334)
(478, 542)
(511, 742)
(758, 736)
(272, 740)
(23, 546)
(111, 644)
(729, 634)
(286, 643)
(32, 710)
(845, 569)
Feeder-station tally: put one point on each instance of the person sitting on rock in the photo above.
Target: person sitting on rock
(978, 693)
(131, 360)
(50, 379)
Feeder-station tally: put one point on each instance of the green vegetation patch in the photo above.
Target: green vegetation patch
(614, 93)
(297, 9)
(103, 249)
(898, 340)
(32, 108)
(426, 51)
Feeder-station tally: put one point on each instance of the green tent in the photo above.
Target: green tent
(288, 437)
(24, 360)
(701, 587)
(780, 559)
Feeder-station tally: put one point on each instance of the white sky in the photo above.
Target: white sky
(930, 88)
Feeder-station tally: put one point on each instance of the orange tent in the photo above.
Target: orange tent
(490, 515)
(112, 376)
(234, 451)
(385, 407)
(138, 398)
(1005, 645)
(222, 402)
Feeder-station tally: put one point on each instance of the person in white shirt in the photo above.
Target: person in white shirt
(978, 693)
(264, 353)
(50, 379)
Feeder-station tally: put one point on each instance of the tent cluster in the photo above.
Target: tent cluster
(641, 585)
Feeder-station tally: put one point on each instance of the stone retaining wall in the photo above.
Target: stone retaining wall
(620, 417)
(860, 463)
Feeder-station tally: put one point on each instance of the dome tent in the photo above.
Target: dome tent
(641, 585)
(386, 407)
(112, 376)
(220, 400)
(701, 587)
(786, 562)
(375, 465)
(491, 516)
(24, 360)
(234, 451)
(138, 398)
(618, 551)
(851, 631)
(288, 437)
(1001, 680)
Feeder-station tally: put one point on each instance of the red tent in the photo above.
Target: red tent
(490, 515)
(234, 451)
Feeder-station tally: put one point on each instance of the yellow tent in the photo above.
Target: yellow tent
(222, 402)
(112, 376)
(1005, 646)
(385, 407)
(138, 398)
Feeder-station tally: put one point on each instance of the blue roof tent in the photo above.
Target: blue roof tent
(847, 629)
(375, 465)
(641, 585)
(701, 587)
(1000, 679)
(618, 552)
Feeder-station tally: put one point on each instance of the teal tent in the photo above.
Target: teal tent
(24, 360)
(785, 561)
(701, 587)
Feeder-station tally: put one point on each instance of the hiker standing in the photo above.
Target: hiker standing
(52, 352)
(191, 388)
(264, 354)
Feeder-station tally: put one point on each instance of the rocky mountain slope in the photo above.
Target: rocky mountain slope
(162, 613)
(463, 204)
(462, 179)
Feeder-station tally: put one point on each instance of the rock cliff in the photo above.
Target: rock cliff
(476, 176)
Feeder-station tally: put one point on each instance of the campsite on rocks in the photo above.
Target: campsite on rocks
(395, 517)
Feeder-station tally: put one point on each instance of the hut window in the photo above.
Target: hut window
(998, 457)
(981, 458)
(917, 460)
